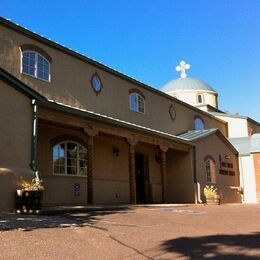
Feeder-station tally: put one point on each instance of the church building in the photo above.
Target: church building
(242, 131)
(97, 136)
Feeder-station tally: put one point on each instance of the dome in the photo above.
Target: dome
(186, 84)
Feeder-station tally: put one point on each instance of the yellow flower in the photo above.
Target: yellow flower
(210, 191)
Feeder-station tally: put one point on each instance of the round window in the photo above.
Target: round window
(96, 83)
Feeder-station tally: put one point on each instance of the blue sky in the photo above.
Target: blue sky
(146, 39)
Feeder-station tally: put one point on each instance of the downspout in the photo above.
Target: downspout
(199, 198)
(34, 140)
(241, 178)
(195, 175)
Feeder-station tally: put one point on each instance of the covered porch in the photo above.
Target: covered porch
(122, 163)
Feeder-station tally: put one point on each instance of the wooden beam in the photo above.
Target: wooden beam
(67, 120)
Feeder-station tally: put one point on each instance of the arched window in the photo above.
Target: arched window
(35, 65)
(210, 170)
(69, 158)
(198, 123)
(200, 99)
(137, 102)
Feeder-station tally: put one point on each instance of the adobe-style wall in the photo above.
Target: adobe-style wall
(59, 190)
(110, 174)
(15, 140)
(70, 84)
(154, 171)
(180, 181)
(215, 148)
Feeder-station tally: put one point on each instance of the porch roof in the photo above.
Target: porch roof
(197, 134)
(19, 85)
(110, 120)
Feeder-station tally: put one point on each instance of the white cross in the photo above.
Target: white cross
(183, 67)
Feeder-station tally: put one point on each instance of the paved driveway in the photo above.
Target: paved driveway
(197, 232)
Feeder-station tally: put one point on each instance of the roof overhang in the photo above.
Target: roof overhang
(20, 86)
(196, 136)
(110, 120)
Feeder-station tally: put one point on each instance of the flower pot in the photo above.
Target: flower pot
(213, 200)
(28, 201)
(217, 199)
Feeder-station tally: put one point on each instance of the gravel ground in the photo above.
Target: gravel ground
(192, 232)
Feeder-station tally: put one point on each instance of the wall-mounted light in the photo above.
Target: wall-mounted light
(158, 158)
(220, 161)
(227, 157)
(116, 151)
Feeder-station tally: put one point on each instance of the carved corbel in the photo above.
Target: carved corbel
(90, 131)
(164, 147)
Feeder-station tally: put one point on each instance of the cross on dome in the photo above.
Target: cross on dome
(182, 67)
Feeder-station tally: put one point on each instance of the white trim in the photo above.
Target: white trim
(36, 63)
(199, 195)
(130, 103)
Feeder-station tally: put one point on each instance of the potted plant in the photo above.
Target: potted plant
(28, 198)
(210, 192)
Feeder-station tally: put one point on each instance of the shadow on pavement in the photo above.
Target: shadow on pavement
(11, 221)
(246, 246)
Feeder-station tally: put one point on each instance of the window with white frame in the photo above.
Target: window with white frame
(210, 171)
(137, 103)
(69, 158)
(35, 65)
(199, 124)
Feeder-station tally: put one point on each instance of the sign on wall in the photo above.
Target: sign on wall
(77, 190)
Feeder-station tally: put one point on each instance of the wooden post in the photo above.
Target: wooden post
(90, 169)
(163, 173)
(90, 133)
(132, 181)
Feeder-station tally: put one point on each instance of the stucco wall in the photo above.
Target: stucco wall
(111, 172)
(248, 178)
(237, 127)
(59, 190)
(214, 147)
(15, 140)
(154, 171)
(180, 184)
(111, 177)
(70, 84)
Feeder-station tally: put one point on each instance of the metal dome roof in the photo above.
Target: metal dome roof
(186, 84)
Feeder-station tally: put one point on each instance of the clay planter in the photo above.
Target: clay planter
(28, 201)
(213, 200)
